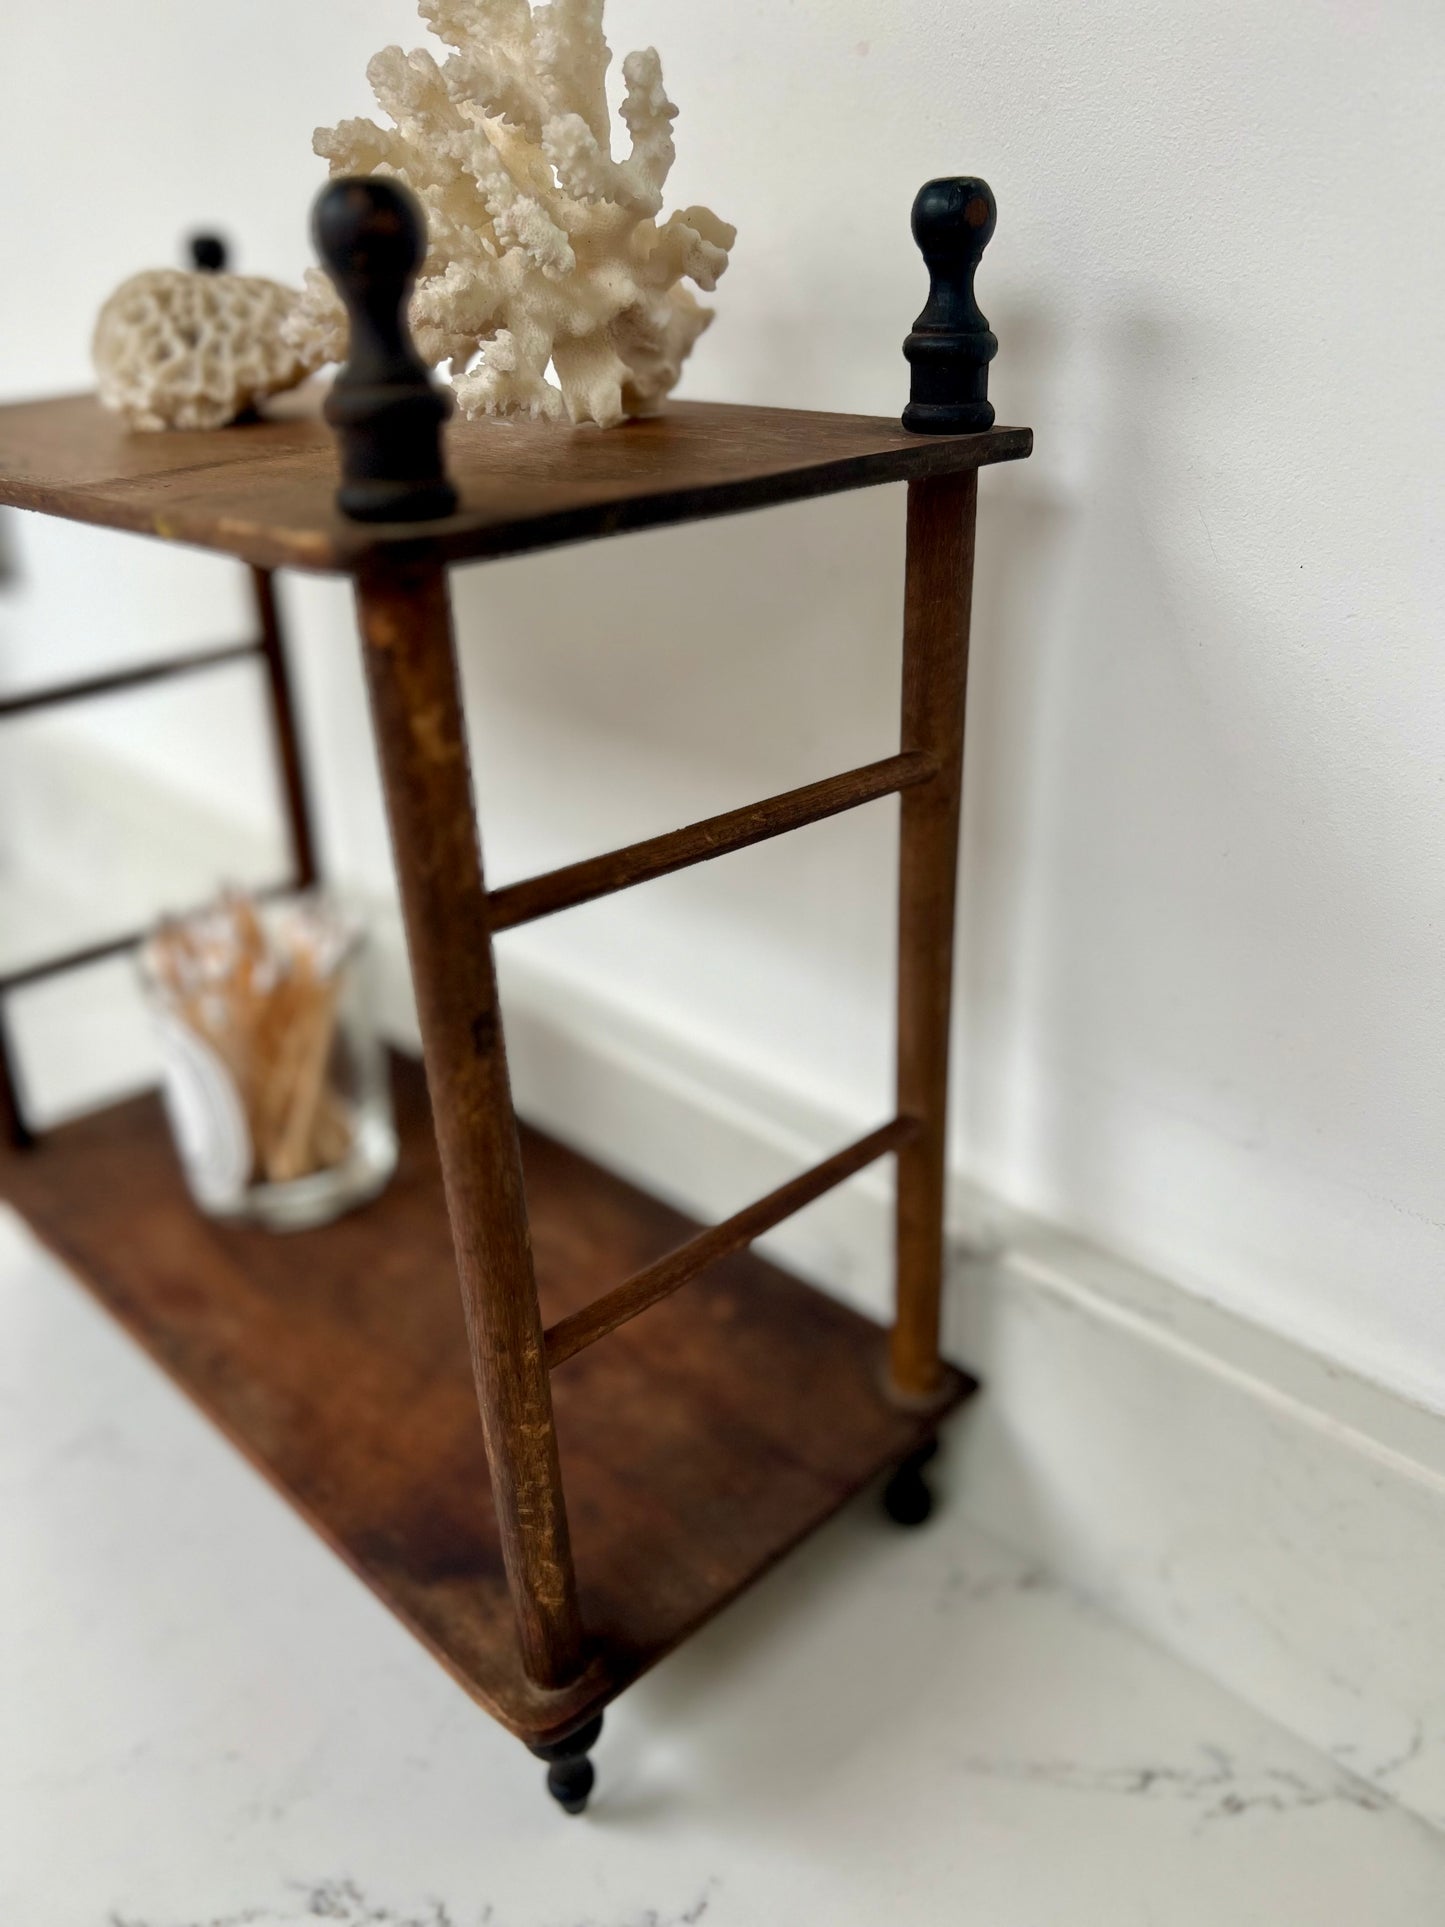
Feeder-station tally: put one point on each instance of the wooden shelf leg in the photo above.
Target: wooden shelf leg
(13, 1127)
(937, 602)
(908, 1497)
(411, 670)
(571, 1776)
(288, 740)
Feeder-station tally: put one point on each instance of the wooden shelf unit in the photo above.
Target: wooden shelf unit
(662, 1414)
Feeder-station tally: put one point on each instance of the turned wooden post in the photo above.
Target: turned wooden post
(937, 600)
(416, 705)
(949, 352)
(388, 418)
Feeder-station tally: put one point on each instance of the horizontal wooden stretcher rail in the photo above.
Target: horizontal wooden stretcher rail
(107, 948)
(656, 1282)
(136, 678)
(660, 856)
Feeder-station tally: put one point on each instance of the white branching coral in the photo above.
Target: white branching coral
(544, 250)
(176, 350)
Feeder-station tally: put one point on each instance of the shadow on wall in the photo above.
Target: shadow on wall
(1193, 910)
(1028, 522)
(1096, 799)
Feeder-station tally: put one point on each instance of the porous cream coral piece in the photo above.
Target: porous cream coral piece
(544, 251)
(176, 350)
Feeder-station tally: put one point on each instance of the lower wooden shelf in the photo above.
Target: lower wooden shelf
(698, 1444)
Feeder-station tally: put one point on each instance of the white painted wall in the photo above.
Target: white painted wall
(1202, 1012)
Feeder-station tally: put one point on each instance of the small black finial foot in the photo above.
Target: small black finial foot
(951, 344)
(384, 406)
(209, 253)
(908, 1497)
(570, 1774)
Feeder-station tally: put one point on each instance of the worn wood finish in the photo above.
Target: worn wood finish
(294, 797)
(719, 1425)
(120, 679)
(698, 1445)
(264, 490)
(660, 856)
(416, 706)
(649, 1287)
(937, 600)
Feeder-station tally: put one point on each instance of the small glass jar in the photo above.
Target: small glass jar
(275, 1081)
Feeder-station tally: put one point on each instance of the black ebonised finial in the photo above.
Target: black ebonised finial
(387, 411)
(951, 344)
(209, 254)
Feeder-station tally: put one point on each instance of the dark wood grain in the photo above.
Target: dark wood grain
(416, 707)
(660, 856)
(937, 603)
(264, 490)
(697, 1446)
(650, 1286)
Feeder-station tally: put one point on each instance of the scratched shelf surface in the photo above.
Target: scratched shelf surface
(263, 490)
(698, 1444)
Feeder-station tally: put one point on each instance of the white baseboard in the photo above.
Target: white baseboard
(1260, 1512)
(1272, 1520)
(1265, 1515)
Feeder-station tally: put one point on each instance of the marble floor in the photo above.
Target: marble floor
(206, 1722)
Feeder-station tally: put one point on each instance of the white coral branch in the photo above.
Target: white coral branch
(545, 250)
(649, 115)
(573, 56)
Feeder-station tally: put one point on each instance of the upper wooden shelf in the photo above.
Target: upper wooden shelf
(264, 490)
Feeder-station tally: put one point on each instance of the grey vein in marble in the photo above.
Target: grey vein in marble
(344, 1902)
(1215, 1784)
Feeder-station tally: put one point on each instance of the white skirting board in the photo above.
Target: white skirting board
(1265, 1515)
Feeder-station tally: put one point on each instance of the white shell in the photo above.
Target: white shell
(543, 249)
(176, 350)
